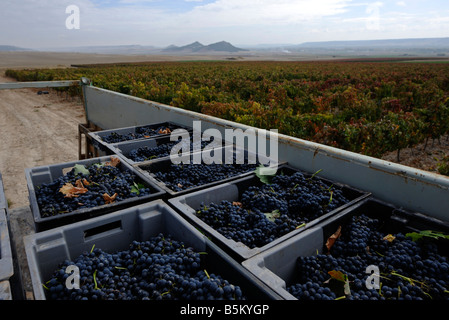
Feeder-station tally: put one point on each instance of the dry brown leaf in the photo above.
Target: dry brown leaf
(85, 182)
(165, 131)
(71, 191)
(108, 199)
(389, 237)
(331, 240)
(67, 188)
(79, 183)
(179, 185)
(236, 203)
(113, 163)
(367, 250)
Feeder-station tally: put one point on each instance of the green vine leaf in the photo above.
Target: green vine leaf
(265, 174)
(426, 233)
(271, 216)
(135, 188)
(340, 276)
(80, 169)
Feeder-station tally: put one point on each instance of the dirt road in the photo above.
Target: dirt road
(35, 130)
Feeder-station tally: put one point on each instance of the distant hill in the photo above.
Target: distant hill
(112, 49)
(222, 46)
(197, 47)
(389, 47)
(12, 48)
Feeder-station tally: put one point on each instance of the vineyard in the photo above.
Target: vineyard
(365, 107)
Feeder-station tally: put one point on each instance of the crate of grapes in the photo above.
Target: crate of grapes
(254, 213)
(102, 140)
(6, 258)
(3, 201)
(146, 252)
(68, 192)
(148, 150)
(181, 178)
(373, 251)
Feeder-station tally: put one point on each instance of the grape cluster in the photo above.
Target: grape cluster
(163, 150)
(101, 180)
(409, 270)
(272, 210)
(160, 268)
(140, 133)
(178, 177)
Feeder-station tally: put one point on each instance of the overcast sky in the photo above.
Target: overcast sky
(46, 23)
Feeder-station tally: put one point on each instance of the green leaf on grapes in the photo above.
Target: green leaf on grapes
(135, 188)
(80, 169)
(272, 215)
(265, 174)
(340, 276)
(426, 233)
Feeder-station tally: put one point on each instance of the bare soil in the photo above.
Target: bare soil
(35, 130)
(425, 157)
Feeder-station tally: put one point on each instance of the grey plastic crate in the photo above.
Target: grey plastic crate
(3, 201)
(115, 231)
(276, 267)
(124, 149)
(6, 259)
(45, 174)
(232, 191)
(163, 165)
(105, 147)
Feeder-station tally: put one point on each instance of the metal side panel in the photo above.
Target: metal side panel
(399, 185)
(403, 186)
(39, 84)
(109, 110)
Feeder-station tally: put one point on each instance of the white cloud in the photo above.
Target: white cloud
(41, 23)
(264, 12)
